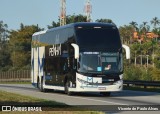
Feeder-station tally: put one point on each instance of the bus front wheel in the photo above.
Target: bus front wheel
(42, 85)
(38, 84)
(67, 88)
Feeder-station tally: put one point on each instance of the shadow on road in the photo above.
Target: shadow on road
(124, 93)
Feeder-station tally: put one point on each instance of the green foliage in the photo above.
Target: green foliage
(3, 32)
(69, 19)
(137, 73)
(19, 58)
(155, 21)
(146, 74)
(54, 24)
(4, 54)
(20, 45)
(15, 53)
(75, 18)
(156, 74)
(134, 25)
(144, 28)
(105, 21)
(157, 63)
(132, 73)
(126, 33)
(145, 56)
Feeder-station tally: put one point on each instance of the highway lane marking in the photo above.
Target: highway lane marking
(101, 101)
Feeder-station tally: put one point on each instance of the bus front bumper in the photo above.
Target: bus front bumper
(117, 86)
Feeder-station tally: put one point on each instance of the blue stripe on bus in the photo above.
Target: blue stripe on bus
(34, 84)
(42, 64)
(33, 65)
(38, 61)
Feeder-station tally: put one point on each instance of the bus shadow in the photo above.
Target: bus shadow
(131, 93)
(124, 93)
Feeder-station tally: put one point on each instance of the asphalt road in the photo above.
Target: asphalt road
(122, 98)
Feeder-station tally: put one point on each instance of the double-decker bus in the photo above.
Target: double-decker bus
(78, 57)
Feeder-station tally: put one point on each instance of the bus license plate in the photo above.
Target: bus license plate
(101, 88)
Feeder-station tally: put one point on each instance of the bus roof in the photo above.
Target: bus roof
(78, 24)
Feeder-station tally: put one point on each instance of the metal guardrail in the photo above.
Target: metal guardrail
(15, 76)
(142, 83)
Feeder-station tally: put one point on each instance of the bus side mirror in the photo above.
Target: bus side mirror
(76, 50)
(127, 49)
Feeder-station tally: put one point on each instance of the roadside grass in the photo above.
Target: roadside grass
(141, 88)
(55, 112)
(7, 98)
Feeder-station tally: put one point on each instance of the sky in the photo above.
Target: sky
(43, 12)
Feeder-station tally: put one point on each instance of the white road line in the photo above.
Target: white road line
(101, 101)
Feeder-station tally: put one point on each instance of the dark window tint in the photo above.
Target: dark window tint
(99, 37)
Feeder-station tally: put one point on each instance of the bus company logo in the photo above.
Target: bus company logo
(88, 82)
(90, 79)
(55, 50)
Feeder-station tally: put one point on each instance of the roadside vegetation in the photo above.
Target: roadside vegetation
(143, 39)
(141, 88)
(56, 107)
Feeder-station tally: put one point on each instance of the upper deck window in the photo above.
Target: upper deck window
(99, 37)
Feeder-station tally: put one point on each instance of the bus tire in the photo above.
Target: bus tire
(106, 93)
(67, 88)
(38, 84)
(42, 85)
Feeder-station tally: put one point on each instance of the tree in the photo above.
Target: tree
(155, 21)
(20, 45)
(4, 58)
(126, 33)
(134, 25)
(135, 49)
(146, 47)
(69, 19)
(4, 54)
(21, 26)
(75, 18)
(156, 74)
(54, 24)
(3, 31)
(144, 28)
(105, 21)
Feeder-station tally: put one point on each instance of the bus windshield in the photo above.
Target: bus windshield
(101, 37)
(96, 62)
